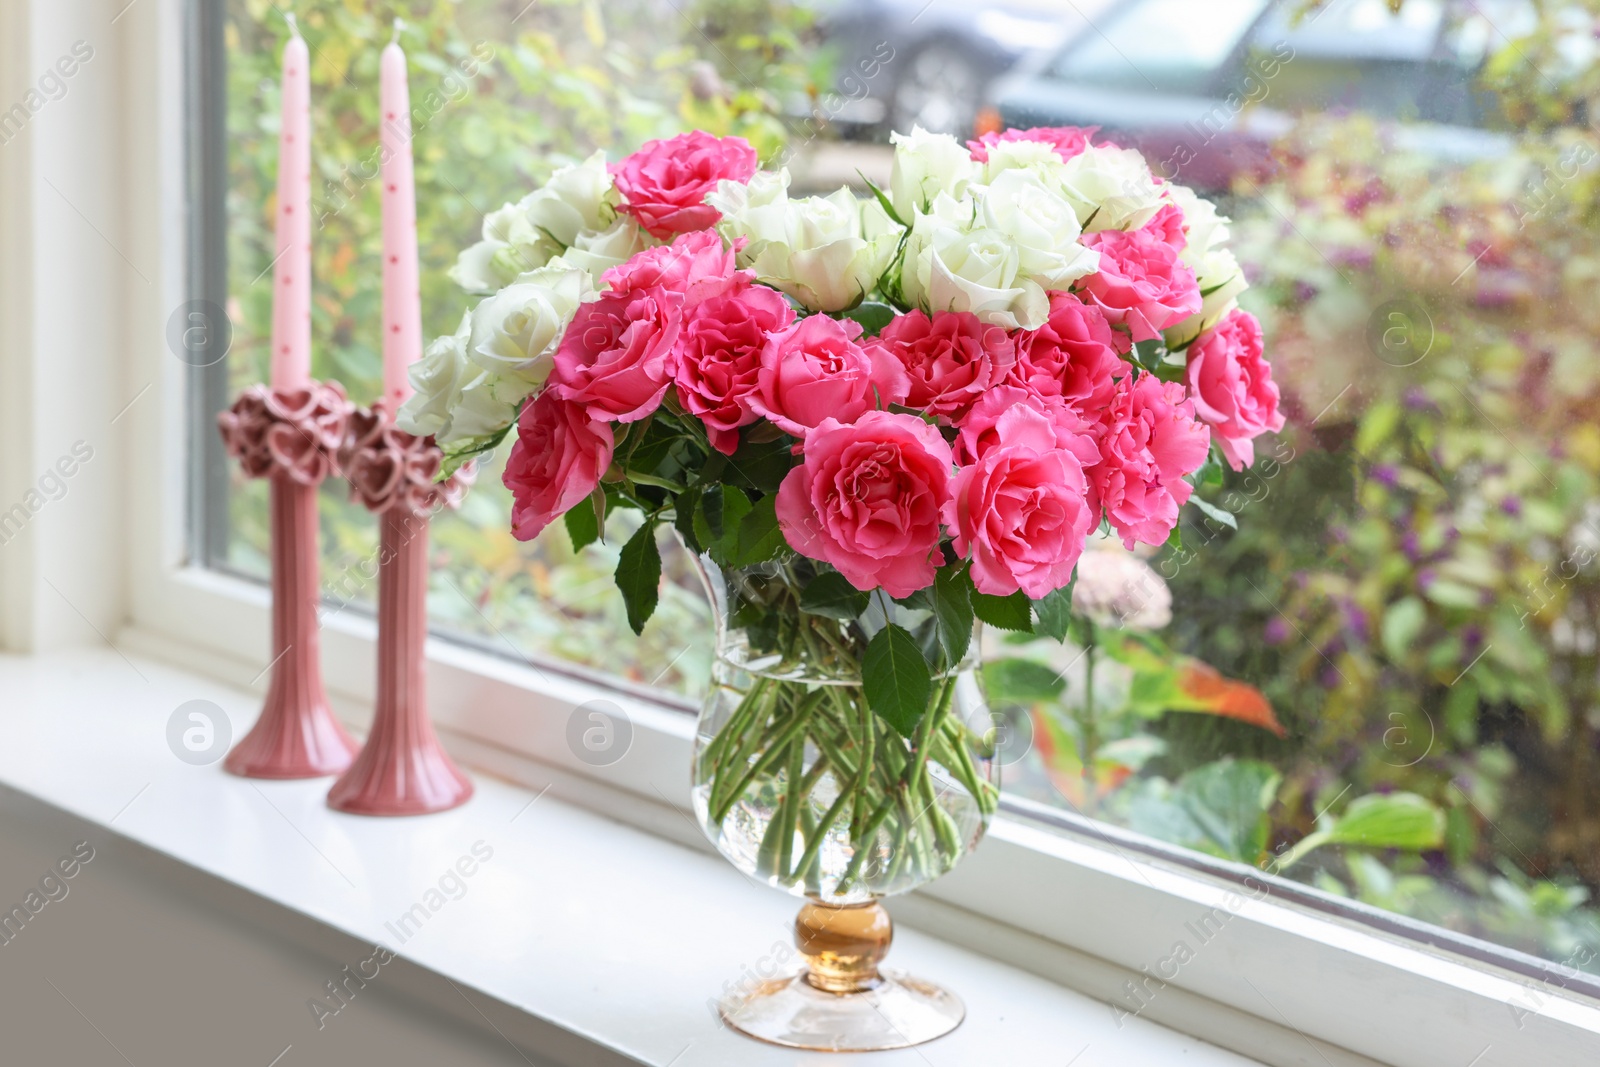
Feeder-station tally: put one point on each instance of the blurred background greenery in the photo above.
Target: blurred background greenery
(1413, 586)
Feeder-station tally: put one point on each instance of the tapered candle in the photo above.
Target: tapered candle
(402, 301)
(291, 272)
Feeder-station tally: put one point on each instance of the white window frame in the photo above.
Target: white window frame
(1294, 978)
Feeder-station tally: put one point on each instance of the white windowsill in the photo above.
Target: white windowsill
(1287, 986)
(613, 935)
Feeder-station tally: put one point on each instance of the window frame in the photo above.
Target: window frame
(1091, 906)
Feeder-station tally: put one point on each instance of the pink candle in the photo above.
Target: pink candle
(291, 273)
(402, 301)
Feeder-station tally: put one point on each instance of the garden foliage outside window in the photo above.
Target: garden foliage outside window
(1385, 683)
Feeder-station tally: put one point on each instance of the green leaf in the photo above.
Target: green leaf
(639, 575)
(1054, 611)
(1214, 513)
(1392, 820)
(582, 526)
(457, 453)
(1149, 354)
(872, 316)
(1012, 612)
(759, 537)
(896, 679)
(687, 507)
(1229, 800)
(1015, 680)
(761, 465)
(1379, 422)
(888, 208)
(716, 523)
(1219, 808)
(951, 597)
(1401, 625)
(1450, 594)
(831, 595)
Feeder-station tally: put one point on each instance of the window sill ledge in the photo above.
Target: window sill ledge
(611, 935)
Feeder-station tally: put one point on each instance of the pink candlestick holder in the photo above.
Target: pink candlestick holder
(402, 769)
(291, 437)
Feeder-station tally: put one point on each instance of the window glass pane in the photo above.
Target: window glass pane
(502, 93)
(1372, 665)
(1412, 588)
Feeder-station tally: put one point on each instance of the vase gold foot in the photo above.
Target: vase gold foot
(900, 1012)
(842, 1001)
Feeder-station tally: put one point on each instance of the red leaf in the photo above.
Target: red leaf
(1217, 695)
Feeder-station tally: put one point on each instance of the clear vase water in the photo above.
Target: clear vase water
(802, 786)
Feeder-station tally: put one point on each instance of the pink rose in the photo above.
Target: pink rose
(1022, 511)
(695, 266)
(1149, 439)
(1068, 141)
(1072, 356)
(557, 461)
(980, 430)
(1232, 387)
(1168, 226)
(867, 499)
(814, 370)
(1141, 284)
(951, 359)
(613, 358)
(718, 359)
(664, 184)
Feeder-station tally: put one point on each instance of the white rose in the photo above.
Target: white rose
(1110, 188)
(597, 251)
(1216, 270)
(577, 197)
(757, 210)
(953, 264)
(515, 332)
(526, 235)
(1041, 224)
(510, 246)
(437, 378)
(826, 252)
(925, 165)
(1036, 156)
(480, 411)
(454, 399)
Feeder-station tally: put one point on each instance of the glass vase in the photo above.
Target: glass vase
(802, 786)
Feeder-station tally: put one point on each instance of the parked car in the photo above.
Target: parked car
(929, 63)
(1202, 90)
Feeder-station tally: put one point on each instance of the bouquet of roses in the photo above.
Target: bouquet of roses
(873, 417)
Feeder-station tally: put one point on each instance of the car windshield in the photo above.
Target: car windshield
(1179, 45)
(1356, 56)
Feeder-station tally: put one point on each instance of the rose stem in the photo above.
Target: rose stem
(864, 846)
(756, 731)
(775, 751)
(1088, 742)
